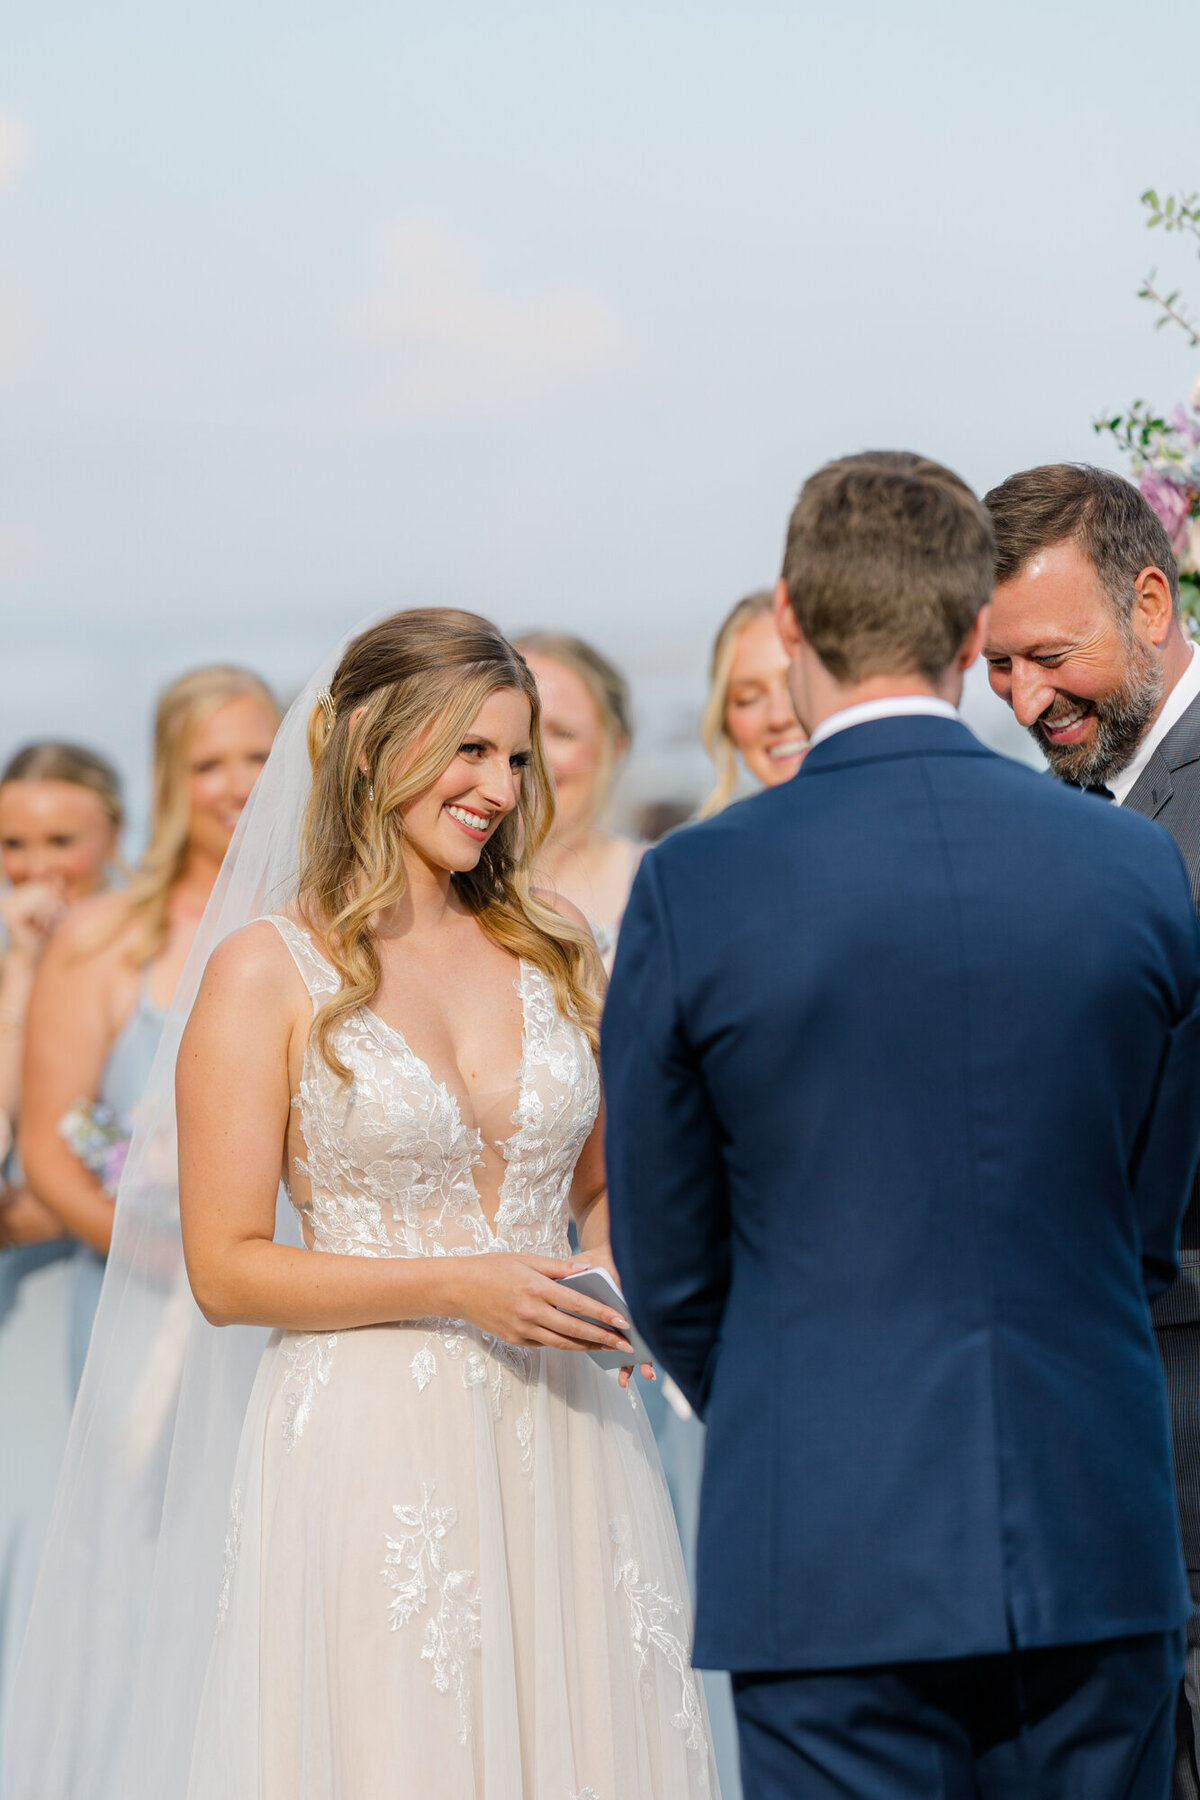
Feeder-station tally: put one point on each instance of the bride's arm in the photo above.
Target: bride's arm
(233, 1100)
(589, 1188)
(589, 1193)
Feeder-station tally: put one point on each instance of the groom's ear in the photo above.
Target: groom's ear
(974, 641)
(786, 622)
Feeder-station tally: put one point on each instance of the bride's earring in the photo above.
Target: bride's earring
(370, 790)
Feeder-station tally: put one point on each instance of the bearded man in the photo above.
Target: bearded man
(1086, 645)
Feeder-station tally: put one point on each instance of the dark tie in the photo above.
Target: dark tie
(1097, 788)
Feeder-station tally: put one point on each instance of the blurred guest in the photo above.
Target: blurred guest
(60, 816)
(749, 711)
(1087, 646)
(107, 977)
(587, 728)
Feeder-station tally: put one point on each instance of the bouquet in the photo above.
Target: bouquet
(99, 1139)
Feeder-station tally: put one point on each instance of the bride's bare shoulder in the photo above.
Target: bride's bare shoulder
(255, 962)
(560, 904)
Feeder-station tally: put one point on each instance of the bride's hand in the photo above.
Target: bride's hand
(517, 1299)
(600, 1256)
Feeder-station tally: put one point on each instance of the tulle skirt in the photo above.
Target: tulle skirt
(451, 1570)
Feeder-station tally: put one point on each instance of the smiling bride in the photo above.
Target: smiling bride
(451, 1566)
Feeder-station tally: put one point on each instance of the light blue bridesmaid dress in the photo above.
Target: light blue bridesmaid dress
(36, 1283)
(48, 1295)
(122, 1084)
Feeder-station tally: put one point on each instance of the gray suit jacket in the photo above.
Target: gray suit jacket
(1168, 789)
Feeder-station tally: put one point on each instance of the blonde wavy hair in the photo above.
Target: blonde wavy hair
(714, 729)
(182, 709)
(398, 707)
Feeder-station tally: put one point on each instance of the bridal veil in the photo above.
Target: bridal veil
(107, 1686)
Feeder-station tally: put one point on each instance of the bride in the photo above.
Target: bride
(450, 1562)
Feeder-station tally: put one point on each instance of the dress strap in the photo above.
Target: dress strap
(319, 976)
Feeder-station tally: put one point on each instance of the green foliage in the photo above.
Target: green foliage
(1164, 450)
(1175, 213)
(1139, 433)
(1189, 601)
(1178, 212)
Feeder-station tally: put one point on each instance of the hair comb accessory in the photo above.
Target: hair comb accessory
(325, 699)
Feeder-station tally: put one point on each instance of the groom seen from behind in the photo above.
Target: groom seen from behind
(900, 1131)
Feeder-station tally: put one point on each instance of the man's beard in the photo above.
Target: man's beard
(1121, 721)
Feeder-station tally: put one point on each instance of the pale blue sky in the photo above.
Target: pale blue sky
(546, 311)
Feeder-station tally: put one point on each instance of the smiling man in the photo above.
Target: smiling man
(1086, 645)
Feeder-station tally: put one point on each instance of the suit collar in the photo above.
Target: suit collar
(880, 740)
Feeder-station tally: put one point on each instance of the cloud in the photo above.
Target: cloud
(14, 148)
(445, 342)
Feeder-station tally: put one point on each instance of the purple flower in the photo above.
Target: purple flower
(114, 1162)
(98, 1138)
(1172, 502)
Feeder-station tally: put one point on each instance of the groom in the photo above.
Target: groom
(900, 1062)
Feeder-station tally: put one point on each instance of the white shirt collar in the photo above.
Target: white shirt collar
(892, 706)
(1186, 689)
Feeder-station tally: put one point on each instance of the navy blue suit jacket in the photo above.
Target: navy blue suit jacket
(902, 1063)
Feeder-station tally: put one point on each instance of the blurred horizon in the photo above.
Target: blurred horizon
(546, 314)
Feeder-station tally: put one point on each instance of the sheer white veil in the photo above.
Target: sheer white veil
(106, 1690)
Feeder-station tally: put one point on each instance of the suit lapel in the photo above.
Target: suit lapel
(1153, 788)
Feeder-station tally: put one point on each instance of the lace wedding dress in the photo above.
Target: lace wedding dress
(451, 1567)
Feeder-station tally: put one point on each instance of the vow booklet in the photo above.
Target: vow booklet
(599, 1285)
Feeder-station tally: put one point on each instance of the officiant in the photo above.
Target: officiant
(1087, 646)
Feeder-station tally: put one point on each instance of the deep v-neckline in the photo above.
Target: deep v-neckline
(472, 1134)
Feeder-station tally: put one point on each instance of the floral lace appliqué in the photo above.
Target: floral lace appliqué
(309, 1365)
(487, 1363)
(559, 1095)
(233, 1543)
(388, 1161)
(418, 1573)
(655, 1620)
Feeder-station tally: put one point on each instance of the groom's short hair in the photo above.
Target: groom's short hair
(889, 559)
